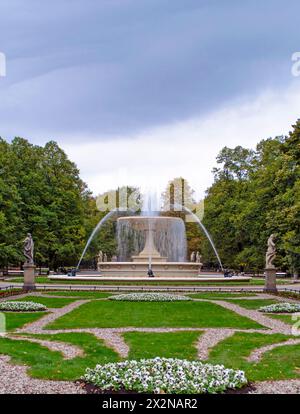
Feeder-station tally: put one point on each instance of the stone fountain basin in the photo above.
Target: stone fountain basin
(155, 222)
(139, 269)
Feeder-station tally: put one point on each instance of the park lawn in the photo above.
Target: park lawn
(253, 303)
(49, 302)
(89, 294)
(46, 364)
(113, 314)
(16, 320)
(219, 295)
(280, 363)
(180, 345)
(287, 318)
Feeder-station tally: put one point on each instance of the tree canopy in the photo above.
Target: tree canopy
(254, 194)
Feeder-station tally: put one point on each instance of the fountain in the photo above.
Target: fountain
(154, 242)
(150, 245)
(150, 242)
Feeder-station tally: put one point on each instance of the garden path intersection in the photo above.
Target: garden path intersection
(113, 338)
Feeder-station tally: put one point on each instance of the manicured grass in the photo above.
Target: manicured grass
(15, 320)
(279, 363)
(80, 294)
(252, 303)
(110, 314)
(168, 345)
(219, 295)
(48, 364)
(285, 318)
(49, 302)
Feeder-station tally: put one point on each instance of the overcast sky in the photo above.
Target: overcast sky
(140, 91)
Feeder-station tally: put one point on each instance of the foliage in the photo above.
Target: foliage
(41, 193)
(256, 193)
(177, 194)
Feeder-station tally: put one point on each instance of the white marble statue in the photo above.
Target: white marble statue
(193, 256)
(198, 257)
(104, 257)
(100, 257)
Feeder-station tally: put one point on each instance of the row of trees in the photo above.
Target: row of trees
(254, 194)
(41, 192)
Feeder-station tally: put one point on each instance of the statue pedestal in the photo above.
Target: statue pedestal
(270, 281)
(29, 276)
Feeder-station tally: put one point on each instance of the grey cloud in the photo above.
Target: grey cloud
(116, 67)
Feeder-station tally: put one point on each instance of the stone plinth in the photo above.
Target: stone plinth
(29, 276)
(270, 280)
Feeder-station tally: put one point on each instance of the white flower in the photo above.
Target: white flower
(149, 297)
(281, 308)
(12, 306)
(165, 375)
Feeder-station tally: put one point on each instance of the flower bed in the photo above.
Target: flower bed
(163, 375)
(22, 306)
(149, 297)
(281, 308)
(10, 292)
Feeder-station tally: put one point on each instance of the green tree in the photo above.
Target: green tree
(10, 217)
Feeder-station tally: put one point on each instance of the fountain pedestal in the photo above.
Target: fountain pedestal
(149, 253)
(29, 276)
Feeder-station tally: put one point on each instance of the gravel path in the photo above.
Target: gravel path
(37, 326)
(277, 326)
(14, 380)
(114, 340)
(258, 353)
(209, 339)
(277, 387)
